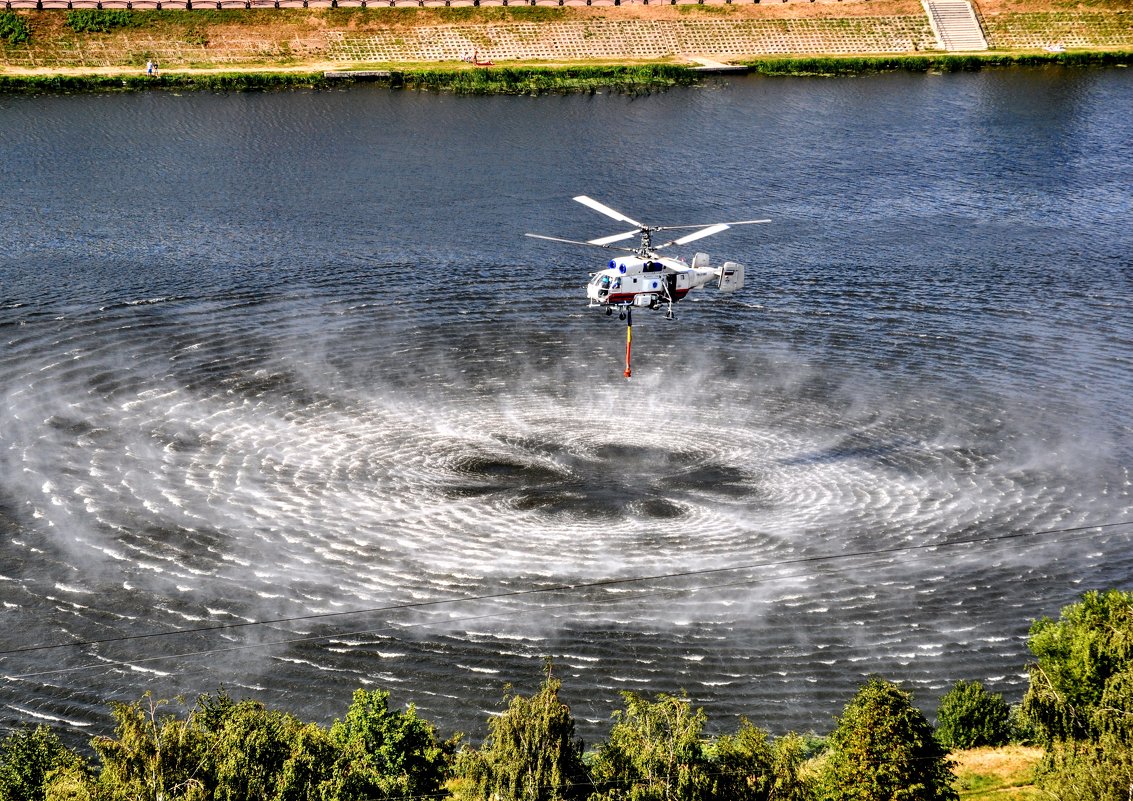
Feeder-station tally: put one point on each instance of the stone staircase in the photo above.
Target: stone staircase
(955, 25)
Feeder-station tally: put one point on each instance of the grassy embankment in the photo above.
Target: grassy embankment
(48, 55)
(997, 774)
(52, 41)
(539, 80)
(500, 80)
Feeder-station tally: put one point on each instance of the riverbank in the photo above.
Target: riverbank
(525, 49)
(531, 80)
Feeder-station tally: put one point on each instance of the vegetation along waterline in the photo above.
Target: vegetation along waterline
(518, 80)
(502, 80)
(1072, 735)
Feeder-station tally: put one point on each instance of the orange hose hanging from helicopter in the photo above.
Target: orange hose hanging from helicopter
(629, 339)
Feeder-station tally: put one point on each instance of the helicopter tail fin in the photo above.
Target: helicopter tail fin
(731, 277)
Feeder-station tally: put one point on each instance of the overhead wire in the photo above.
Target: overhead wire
(1073, 532)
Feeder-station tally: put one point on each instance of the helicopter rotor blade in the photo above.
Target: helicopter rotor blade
(695, 235)
(605, 240)
(707, 225)
(604, 209)
(577, 242)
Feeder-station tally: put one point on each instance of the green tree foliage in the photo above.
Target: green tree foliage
(883, 749)
(28, 756)
(970, 717)
(1081, 698)
(154, 755)
(530, 754)
(383, 753)
(1083, 657)
(1087, 771)
(655, 752)
(748, 766)
(13, 28)
(71, 783)
(248, 746)
(228, 750)
(308, 772)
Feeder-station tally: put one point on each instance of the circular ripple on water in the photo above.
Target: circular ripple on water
(218, 477)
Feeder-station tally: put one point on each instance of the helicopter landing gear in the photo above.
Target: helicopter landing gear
(669, 314)
(609, 311)
(621, 315)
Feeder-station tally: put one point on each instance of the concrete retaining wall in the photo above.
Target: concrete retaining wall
(1023, 31)
(637, 39)
(569, 40)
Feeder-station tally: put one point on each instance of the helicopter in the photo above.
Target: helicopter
(644, 279)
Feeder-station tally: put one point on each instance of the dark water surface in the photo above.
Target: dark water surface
(288, 355)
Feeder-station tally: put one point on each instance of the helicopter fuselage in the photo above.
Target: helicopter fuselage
(648, 281)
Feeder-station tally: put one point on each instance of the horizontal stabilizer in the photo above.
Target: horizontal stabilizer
(731, 277)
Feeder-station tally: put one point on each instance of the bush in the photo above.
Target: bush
(13, 28)
(1023, 729)
(969, 717)
(95, 21)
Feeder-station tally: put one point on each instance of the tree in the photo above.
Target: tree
(72, 782)
(28, 756)
(655, 752)
(1079, 655)
(748, 766)
(222, 750)
(969, 717)
(744, 765)
(307, 774)
(1087, 771)
(153, 756)
(1081, 698)
(385, 753)
(530, 754)
(248, 746)
(883, 749)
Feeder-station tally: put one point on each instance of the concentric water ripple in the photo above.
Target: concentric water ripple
(414, 454)
(183, 471)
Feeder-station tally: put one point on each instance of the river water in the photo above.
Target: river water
(281, 372)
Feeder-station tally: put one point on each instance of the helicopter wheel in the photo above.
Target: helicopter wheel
(609, 311)
(622, 316)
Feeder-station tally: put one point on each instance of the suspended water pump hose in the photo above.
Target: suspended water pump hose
(629, 339)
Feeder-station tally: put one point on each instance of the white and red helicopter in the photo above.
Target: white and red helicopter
(647, 280)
